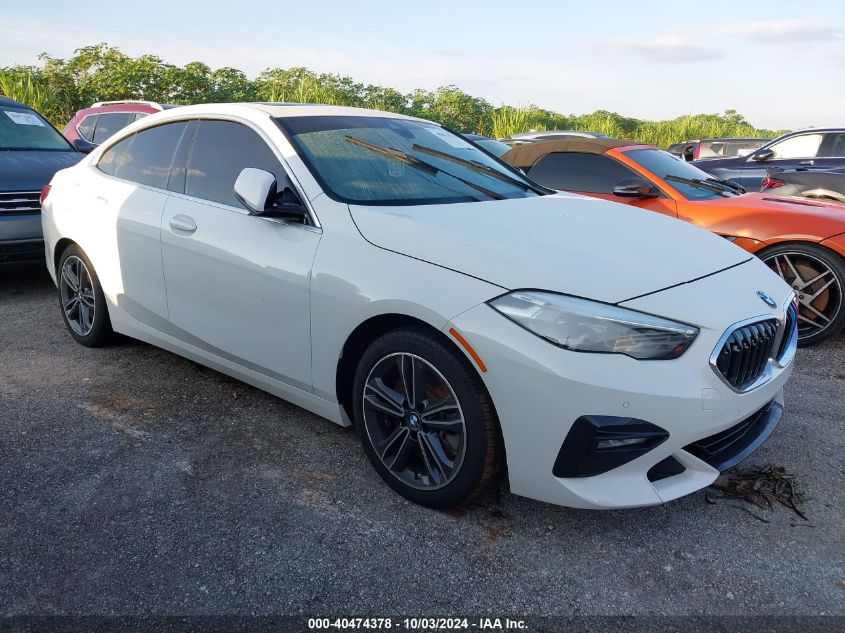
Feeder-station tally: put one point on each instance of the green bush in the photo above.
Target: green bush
(59, 87)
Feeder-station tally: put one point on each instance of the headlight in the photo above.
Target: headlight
(590, 326)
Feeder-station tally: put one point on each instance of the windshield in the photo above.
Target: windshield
(497, 148)
(25, 129)
(686, 179)
(381, 160)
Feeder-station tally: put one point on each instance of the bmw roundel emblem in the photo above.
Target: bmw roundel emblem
(767, 299)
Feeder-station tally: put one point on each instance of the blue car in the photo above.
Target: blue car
(812, 149)
(31, 151)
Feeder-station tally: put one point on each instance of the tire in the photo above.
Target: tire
(411, 445)
(83, 308)
(798, 263)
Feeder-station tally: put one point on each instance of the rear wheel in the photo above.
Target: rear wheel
(425, 419)
(817, 275)
(81, 298)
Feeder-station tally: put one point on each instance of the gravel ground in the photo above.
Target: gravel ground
(134, 481)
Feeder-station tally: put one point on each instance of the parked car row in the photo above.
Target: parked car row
(464, 313)
(800, 240)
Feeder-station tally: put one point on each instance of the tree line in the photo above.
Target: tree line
(59, 87)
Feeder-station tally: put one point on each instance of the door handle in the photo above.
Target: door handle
(807, 163)
(183, 224)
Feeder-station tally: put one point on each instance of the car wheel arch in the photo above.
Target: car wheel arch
(60, 248)
(361, 337)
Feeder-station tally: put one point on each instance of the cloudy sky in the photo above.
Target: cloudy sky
(781, 64)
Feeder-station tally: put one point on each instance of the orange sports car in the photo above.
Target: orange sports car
(802, 240)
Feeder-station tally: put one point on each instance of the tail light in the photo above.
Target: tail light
(772, 183)
(45, 191)
(697, 153)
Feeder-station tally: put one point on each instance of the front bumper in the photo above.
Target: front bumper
(20, 238)
(540, 390)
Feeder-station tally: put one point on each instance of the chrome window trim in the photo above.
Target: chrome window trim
(112, 141)
(771, 363)
(238, 210)
(79, 132)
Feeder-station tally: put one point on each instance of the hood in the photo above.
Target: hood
(563, 243)
(770, 218)
(774, 202)
(22, 170)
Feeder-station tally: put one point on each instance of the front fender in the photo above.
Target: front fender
(836, 243)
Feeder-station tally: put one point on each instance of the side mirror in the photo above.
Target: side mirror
(257, 191)
(688, 153)
(762, 155)
(635, 188)
(86, 147)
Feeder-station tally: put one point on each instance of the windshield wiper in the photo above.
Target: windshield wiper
(422, 165)
(474, 165)
(734, 186)
(697, 182)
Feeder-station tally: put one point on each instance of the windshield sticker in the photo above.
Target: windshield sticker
(452, 139)
(24, 118)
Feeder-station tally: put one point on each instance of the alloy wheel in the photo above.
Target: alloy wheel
(816, 286)
(414, 421)
(77, 294)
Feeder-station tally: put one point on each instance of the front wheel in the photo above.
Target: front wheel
(817, 275)
(425, 419)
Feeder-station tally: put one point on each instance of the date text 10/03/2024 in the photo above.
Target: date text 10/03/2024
(414, 624)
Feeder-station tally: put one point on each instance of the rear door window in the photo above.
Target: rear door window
(145, 157)
(110, 122)
(577, 171)
(221, 150)
(835, 145)
(86, 127)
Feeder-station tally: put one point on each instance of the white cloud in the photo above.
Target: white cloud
(666, 48)
(794, 31)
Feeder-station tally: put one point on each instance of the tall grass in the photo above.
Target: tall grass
(21, 86)
(507, 120)
(305, 90)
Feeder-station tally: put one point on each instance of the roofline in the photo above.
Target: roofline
(10, 101)
(152, 104)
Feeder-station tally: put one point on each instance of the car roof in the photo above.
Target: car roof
(735, 138)
(529, 153)
(817, 129)
(4, 100)
(541, 133)
(282, 109)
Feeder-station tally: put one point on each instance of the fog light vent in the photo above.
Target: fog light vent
(598, 443)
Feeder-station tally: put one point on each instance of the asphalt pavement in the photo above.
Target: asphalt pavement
(134, 481)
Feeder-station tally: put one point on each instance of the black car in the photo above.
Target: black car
(31, 151)
(813, 149)
(828, 185)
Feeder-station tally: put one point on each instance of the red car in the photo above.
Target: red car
(91, 126)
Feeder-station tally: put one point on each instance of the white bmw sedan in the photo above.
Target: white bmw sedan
(381, 271)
